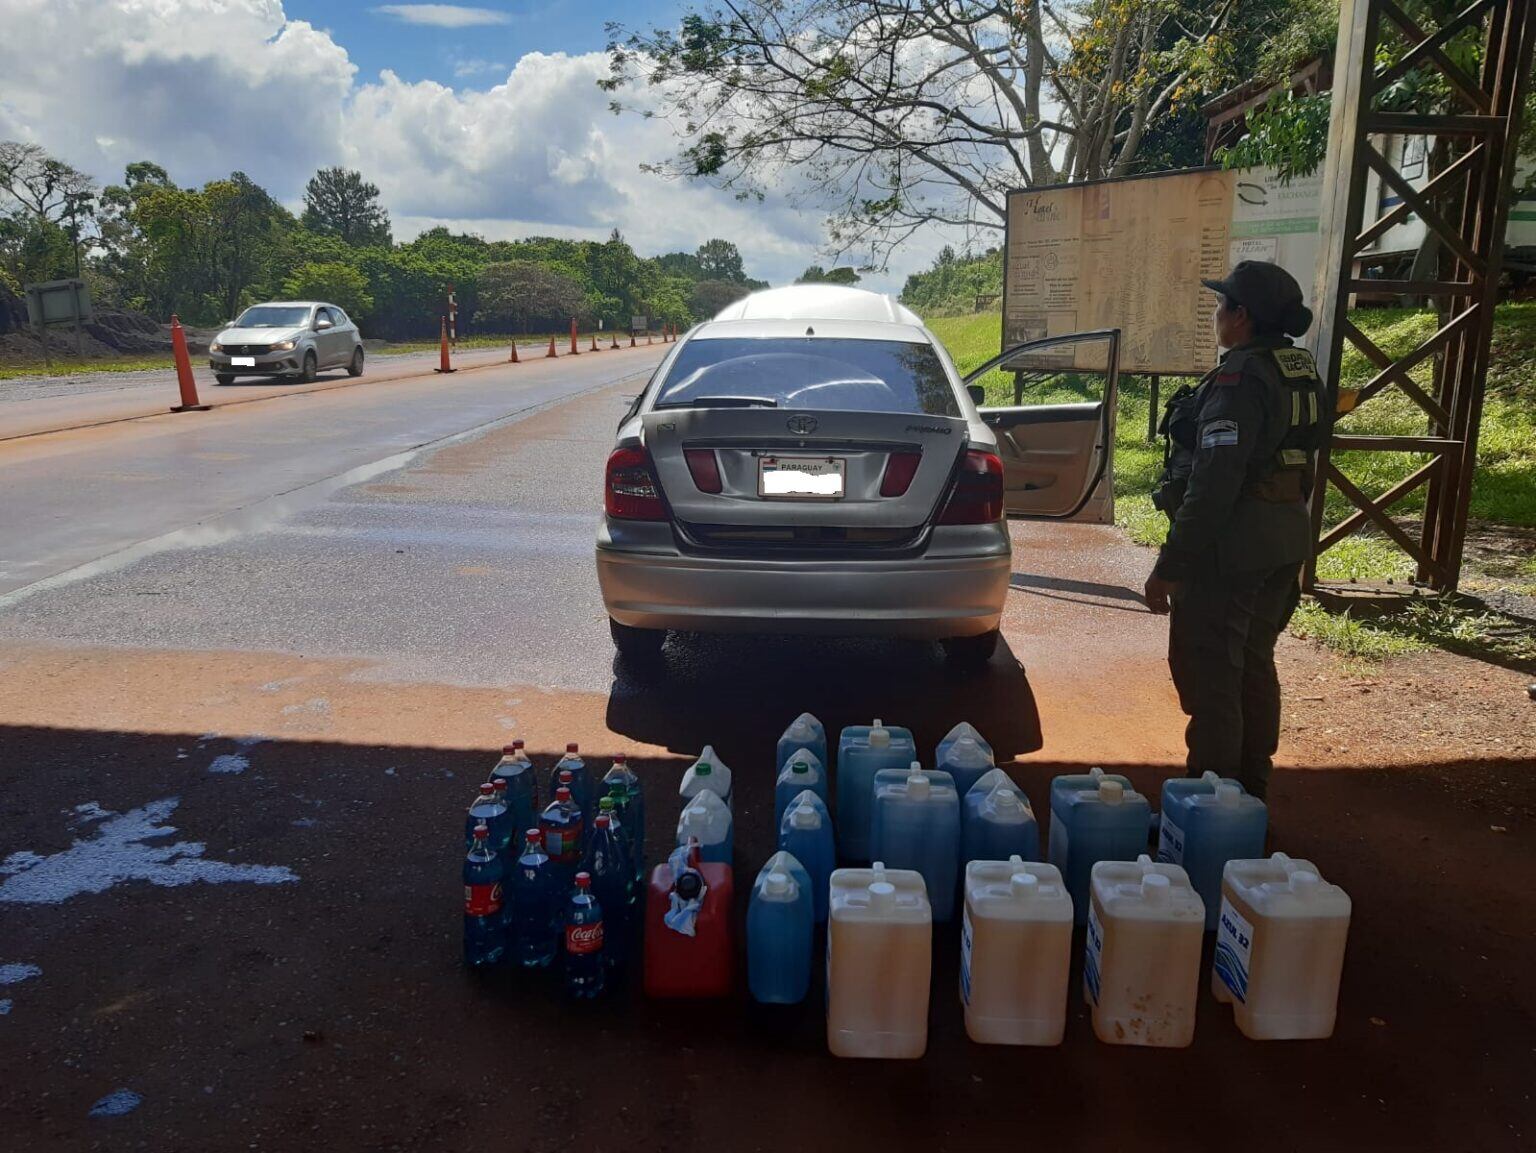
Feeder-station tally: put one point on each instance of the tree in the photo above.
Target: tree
(341, 203)
(524, 295)
(49, 202)
(334, 283)
(720, 260)
(896, 116)
(816, 274)
(710, 296)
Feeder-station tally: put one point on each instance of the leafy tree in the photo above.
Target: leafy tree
(680, 264)
(334, 283)
(720, 260)
(340, 202)
(816, 274)
(710, 296)
(527, 295)
(44, 206)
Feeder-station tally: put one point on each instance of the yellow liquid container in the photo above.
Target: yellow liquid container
(1141, 963)
(1015, 952)
(879, 962)
(1280, 948)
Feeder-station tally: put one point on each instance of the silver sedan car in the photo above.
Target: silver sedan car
(291, 338)
(811, 462)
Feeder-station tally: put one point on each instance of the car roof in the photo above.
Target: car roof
(292, 304)
(767, 328)
(820, 302)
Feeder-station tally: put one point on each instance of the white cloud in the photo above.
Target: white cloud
(205, 87)
(464, 69)
(443, 15)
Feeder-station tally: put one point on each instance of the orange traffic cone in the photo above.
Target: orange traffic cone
(513, 358)
(594, 343)
(442, 356)
(574, 350)
(184, 381)
(551, 354)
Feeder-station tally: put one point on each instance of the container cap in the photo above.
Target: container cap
(799, 766)
(967, 753)
(1155, 888)
(1024, 884)
(566, 776)
(508, 750)
(777, 884)
(499, 784)
(481, 832)
(486, 789)
(583, 880)
(605, 804)
(879, 735)
(1002, 797)
(534, 834)
(620, 758)
(702, 769)
(603, 821)
(882, 894)
(572, 747)
(804, 817)
(1111, 792)
(562, 793)
(918, 784)
(518, 743)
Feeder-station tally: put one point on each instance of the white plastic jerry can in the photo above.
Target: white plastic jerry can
(1141, 962)
(1015, 952)
(879, 960)
(1280, 948)
(707, 774)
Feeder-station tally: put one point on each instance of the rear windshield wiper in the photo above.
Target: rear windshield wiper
(723, 402)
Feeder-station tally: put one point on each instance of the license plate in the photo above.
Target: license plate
(801, 477)
(243, 361)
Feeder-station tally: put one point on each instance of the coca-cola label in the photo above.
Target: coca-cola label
(482, 900)
(584, 939)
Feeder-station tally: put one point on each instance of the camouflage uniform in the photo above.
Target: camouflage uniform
(1238, 473)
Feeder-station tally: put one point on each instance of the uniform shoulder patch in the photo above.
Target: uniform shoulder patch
(1295, 363)
(1218, 433)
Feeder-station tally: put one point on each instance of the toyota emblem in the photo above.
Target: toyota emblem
(802, 425)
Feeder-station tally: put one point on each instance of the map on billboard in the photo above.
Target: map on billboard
(1130, 254)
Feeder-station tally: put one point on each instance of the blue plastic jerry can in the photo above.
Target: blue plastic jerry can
(780, 921)
(997, 822)
(965, 756)
(917, 826)
(806, 834)
(1094, 817)
(802, 771)
(806, 733)
(863, 751)
(1206, 822)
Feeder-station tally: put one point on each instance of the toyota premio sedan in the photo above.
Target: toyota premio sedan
(288, 338)
(810, 461)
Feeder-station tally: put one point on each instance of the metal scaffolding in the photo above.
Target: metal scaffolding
(1465, 207)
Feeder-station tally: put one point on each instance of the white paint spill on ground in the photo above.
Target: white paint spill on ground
(315, 706)
(17, 972)
(117, 1103)
(278, 686)
(235, 762)
(389, 772)
(117, 854)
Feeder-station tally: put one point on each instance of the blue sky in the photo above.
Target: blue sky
(475, 45)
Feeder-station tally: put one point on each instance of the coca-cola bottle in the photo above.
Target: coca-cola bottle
(562, 827)
(583, 941)
(537, 905)
(485, 929)
(522, 786)
(488, 810)
(607, 863)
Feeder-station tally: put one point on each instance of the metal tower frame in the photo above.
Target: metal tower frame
(1466, 207)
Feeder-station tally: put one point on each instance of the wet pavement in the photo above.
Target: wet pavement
(234, 761)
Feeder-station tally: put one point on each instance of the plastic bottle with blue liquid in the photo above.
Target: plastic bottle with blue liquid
(622, 783)
(706, 818)
(537, 905)
(1095, 817)
(964, 756)
(802, 771)
(917, 827)
(806, 733)
(1206, 822)
(863, 751)
(522, 787)
(583, 791)
(780, 919)
(806, 834)
(997, 822)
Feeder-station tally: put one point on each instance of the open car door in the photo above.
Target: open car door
(1057, 455)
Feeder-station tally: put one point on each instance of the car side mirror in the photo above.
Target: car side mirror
(322, 324)
(977, 394)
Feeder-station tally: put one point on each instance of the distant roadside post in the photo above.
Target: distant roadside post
(54, 304)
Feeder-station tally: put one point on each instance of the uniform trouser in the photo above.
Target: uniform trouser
(1221, 651)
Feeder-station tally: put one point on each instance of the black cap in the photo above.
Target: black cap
(1269, 293)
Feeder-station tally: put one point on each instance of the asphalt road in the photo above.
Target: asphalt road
(253, 661)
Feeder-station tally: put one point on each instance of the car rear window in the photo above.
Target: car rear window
(829, 373)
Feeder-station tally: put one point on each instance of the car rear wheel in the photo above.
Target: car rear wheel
(224, 377)
(311, 368)
(970, 652)
(356, 367)
(642, 646)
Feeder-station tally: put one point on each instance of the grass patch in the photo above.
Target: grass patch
(77, 367)
(1355, 640)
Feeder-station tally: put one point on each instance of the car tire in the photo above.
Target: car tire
(224, 377)
(355, 367)
(969, 653)
(311, 368)
(637, 646)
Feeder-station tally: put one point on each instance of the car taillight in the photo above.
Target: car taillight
(704, 467)
(900, 468)
(630, 492)
(977, 497)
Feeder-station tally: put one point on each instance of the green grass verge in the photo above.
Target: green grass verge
(75, 367)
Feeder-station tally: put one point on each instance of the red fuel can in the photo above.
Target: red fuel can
(703, 965)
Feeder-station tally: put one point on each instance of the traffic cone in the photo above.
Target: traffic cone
(442, 357)
(574, 350)
(513, 358)
(594, 343)
(551, 354)
(184, 381)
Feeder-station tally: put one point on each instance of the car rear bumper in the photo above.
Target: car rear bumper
(944, 593)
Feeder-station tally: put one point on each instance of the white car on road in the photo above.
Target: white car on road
(291, 338)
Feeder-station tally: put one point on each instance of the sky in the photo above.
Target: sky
(484, 117)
